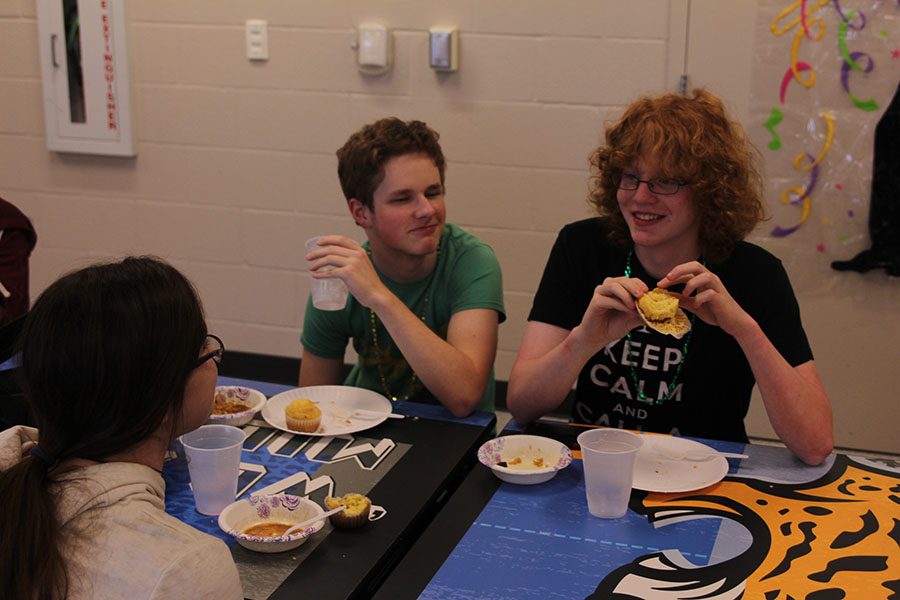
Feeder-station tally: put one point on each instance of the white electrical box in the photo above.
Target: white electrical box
(443, 48)
(84, 71)
(373, 47)
(256, 32)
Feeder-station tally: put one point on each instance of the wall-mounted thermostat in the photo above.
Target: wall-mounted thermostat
(443, 48)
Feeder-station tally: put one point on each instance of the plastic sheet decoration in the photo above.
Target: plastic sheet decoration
(825, 70)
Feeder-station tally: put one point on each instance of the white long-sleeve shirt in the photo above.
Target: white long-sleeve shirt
(119, 541)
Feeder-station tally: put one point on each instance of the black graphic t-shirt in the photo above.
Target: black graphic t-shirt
(713, 391)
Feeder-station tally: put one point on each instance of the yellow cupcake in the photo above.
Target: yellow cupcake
(355, 515)
(303, 416)
(660, 311)
(658, 305)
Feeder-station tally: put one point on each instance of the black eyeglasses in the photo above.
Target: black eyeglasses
(659, 185)
(216, 350)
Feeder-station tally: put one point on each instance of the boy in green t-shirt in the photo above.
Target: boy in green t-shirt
(426, 296)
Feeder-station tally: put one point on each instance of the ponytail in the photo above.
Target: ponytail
(31, 561)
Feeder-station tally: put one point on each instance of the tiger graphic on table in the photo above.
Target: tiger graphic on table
(815, 540)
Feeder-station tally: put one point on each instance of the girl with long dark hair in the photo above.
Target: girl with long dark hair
(116, 362)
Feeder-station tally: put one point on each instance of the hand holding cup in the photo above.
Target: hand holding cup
(327, 294)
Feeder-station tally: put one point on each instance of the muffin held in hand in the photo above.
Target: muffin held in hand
(658, 305)
(355, 515)
(303, 416)
(659, 310)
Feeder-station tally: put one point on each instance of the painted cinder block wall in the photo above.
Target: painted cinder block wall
(236, 167)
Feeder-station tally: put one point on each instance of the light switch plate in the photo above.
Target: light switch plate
(443, 48)
(257, 35)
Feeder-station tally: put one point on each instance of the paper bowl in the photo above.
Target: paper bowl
(252, 398)
(284, 508)
(552, 455)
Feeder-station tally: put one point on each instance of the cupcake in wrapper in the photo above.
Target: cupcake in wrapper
(658, 305)
(302, 416)
(355, 515)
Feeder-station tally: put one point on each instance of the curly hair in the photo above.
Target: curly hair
(362, 158)
(691, 139)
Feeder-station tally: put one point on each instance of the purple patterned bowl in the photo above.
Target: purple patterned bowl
(524, 459)
(280, 508)
(253, 399)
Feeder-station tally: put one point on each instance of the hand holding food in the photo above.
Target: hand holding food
(660, 311)
(610, 314)
(705, 295)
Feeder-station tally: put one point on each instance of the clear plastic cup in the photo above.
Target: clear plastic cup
(327, 294)
(213, 455)
(608, 456)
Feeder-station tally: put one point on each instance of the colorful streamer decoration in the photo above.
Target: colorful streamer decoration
(805, 23)
(774, 119)
(803, 18)
(842, 44)
(826, 146)
(788, 76)
(778, 30)
(847, 19)
(800, 195)
(869, 104)
(795, 51)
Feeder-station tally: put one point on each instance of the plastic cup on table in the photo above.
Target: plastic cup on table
(608, 456)
(327, 294)
(213, 455)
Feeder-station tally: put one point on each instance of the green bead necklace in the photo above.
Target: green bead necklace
(410, 388)
(684, 350)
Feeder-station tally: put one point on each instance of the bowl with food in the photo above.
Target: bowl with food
(235, 405)
(259, 522)
(524, 459)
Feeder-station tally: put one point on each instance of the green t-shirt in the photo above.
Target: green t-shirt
(467, 276)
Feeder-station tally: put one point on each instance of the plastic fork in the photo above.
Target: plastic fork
(304, 524)
(341, 413)
(695, 456)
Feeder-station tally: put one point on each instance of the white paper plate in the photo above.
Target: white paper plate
(655, 473)
(335, 402)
